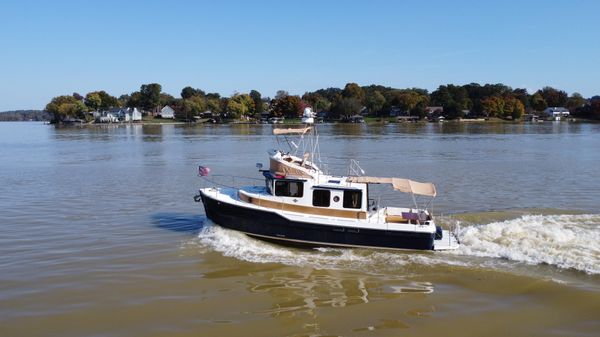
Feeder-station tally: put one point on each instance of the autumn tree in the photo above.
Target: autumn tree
(316, 101)
(240, 105)
(353, 90)
(63, 107)
(513, 108)
(287, 106)
(493, 106)
(503, 107)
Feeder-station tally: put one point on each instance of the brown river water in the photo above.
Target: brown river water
(100, 236)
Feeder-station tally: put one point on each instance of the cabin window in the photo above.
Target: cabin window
(321, 198)
(287, 188)
(352, 199)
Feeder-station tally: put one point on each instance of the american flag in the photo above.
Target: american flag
(203, 171)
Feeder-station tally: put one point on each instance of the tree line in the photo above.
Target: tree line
(473, 99)
(24, 115)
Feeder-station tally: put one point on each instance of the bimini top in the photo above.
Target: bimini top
(399, 184)
(291, 131)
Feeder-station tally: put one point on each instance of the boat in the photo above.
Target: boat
(302, 204)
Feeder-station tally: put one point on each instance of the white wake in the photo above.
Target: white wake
(565, 241)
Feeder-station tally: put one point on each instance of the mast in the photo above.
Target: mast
(314, 153)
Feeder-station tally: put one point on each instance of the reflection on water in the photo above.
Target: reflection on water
(306, 289)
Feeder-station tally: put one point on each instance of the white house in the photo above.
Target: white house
(136, 115)
(109, 116)
(167, 112)
(557, 112)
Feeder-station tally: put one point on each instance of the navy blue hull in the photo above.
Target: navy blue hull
(274, 227)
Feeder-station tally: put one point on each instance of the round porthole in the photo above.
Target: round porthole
(336, 199)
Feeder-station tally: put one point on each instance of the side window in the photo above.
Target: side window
(285, 188)
(321, 198)
(352, 199)
(269, 184)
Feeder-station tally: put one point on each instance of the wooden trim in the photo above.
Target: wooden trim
(302, 209)
(395, 219)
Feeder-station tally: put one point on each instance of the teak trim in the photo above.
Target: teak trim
(302, 209)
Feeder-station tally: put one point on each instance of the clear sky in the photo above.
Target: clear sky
(49, 48)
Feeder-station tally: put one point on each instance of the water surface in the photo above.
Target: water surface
(101, 237)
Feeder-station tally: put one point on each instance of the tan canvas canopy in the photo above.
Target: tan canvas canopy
(399, 184)
(291, 131)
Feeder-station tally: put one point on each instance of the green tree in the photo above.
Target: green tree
(375, 102)
(453, 98)
(353, 90)
(166, 99)
(554, 97)
(214, 105)
(63, 107)
(123, 99)
(93, 100)
(190, 108)
(240, 105)
(188, 92)
(538, 103)
(575, 101)
(346, 107)
(150, 95)
(135, 100)
(257, 99)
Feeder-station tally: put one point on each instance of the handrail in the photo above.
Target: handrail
(232, 180)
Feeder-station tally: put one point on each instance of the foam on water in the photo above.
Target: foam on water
(238, 245)
(565, 241)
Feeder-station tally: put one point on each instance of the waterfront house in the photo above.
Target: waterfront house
(167, 112)
(108, 116)
(556, 113)
(434, 111)
(136, 115)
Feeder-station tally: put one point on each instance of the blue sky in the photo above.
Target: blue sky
(49, 48)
